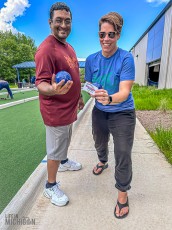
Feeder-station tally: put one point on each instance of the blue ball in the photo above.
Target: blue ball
(63, 75)
(97, 85)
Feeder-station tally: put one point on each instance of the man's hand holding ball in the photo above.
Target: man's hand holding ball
(61, 82)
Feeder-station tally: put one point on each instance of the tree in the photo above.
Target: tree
(14, 49)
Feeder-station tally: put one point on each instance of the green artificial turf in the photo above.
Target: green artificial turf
(85, 96)
(22, 147)
(18, 96)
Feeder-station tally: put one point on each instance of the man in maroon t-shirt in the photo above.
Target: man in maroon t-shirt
(58, 102)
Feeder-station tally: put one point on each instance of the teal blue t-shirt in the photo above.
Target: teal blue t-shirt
(109, 72)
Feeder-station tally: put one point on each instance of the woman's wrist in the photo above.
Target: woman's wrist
(110, 99)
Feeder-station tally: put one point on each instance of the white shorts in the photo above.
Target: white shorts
(57, 141)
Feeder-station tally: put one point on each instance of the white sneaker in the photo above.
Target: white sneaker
(56, 195)
(69, 165)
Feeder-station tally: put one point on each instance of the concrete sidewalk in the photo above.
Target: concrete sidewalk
(93, 198)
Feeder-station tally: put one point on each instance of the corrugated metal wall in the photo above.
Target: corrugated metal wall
(139, 54)
(165, 77)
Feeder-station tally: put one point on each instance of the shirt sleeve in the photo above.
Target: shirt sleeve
(44, 67)
(128, 68)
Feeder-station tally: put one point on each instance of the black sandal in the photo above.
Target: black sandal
(121, 206)
(100, 167)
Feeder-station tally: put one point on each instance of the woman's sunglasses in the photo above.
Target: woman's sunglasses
(110, 34)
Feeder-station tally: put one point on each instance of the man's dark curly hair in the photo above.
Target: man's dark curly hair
(59, 6)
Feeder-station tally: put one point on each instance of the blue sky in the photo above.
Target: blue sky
(31, 18)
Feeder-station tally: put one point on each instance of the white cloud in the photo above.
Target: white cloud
(158, 1)
(11, 10)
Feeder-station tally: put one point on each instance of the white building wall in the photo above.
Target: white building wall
(165, 76)
(139, 54)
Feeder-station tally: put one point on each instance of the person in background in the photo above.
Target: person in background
(23, 83)
(114, 112)
(59, 103)
(5, 85)
(33, 79)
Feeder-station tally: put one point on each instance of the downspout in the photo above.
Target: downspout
(168, 58)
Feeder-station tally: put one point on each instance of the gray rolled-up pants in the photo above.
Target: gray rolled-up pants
(57, 141)
(121, 125)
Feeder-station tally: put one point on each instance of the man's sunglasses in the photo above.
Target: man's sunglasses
(110, 34)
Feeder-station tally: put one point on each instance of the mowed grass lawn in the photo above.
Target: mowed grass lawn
(22, 146)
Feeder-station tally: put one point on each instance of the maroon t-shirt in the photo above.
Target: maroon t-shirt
(51, 57)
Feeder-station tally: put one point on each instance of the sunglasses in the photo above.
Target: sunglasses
(110, 34)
